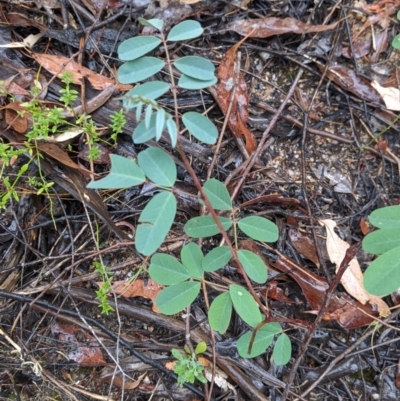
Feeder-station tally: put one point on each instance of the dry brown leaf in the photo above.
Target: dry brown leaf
(352, 279)
(57, 65)
(349, 313)
(57, 154)
(271, 26)
(17, 117)
(364, 226)
(228, 81)
(170, 365)
(304, 245)
(391, 96)
(139, 288)
(348, 80)
(88, 354)
(124, 383)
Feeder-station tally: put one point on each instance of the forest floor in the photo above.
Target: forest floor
(325, 154)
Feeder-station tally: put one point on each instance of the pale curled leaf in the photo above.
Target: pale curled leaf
(391, 96)
(57, 65)
(28, 42)
(220, 378)
(271, 26)
(352, 279)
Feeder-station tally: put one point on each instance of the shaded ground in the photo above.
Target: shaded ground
(319, 162)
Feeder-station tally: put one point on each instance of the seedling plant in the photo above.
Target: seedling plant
(47, 123)
(184, 279)
(187, 367)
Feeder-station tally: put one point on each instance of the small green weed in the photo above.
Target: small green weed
(103, 291)
(187, 367)
(47, 121)
(118, 121)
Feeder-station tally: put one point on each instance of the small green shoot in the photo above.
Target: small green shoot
(187, 367)
(105, 288)
(118, 121)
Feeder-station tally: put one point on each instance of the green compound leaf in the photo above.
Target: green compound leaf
(166, 270)
(396, 42)
(141, 134)
(200, 127)
(216, 258)
(124, 173)
(158, 166)
(219, 315)
(386, 217)
(192, 257)
(204, 226)
(254, 266)
(139, 70)
(245, 305)
(172, 130)
(139, 107)
(147, 116)
(381, 241)
(131, 103)
(177, 297)
(382, 276)
(196, 67)
(217, 194)
(157, 218)
(262, 340)
(282, 350)
(155, 22)
(160, 123)
(186, 82)
(149, 90)
(259, 228)
(136, 47)
(185, 30)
